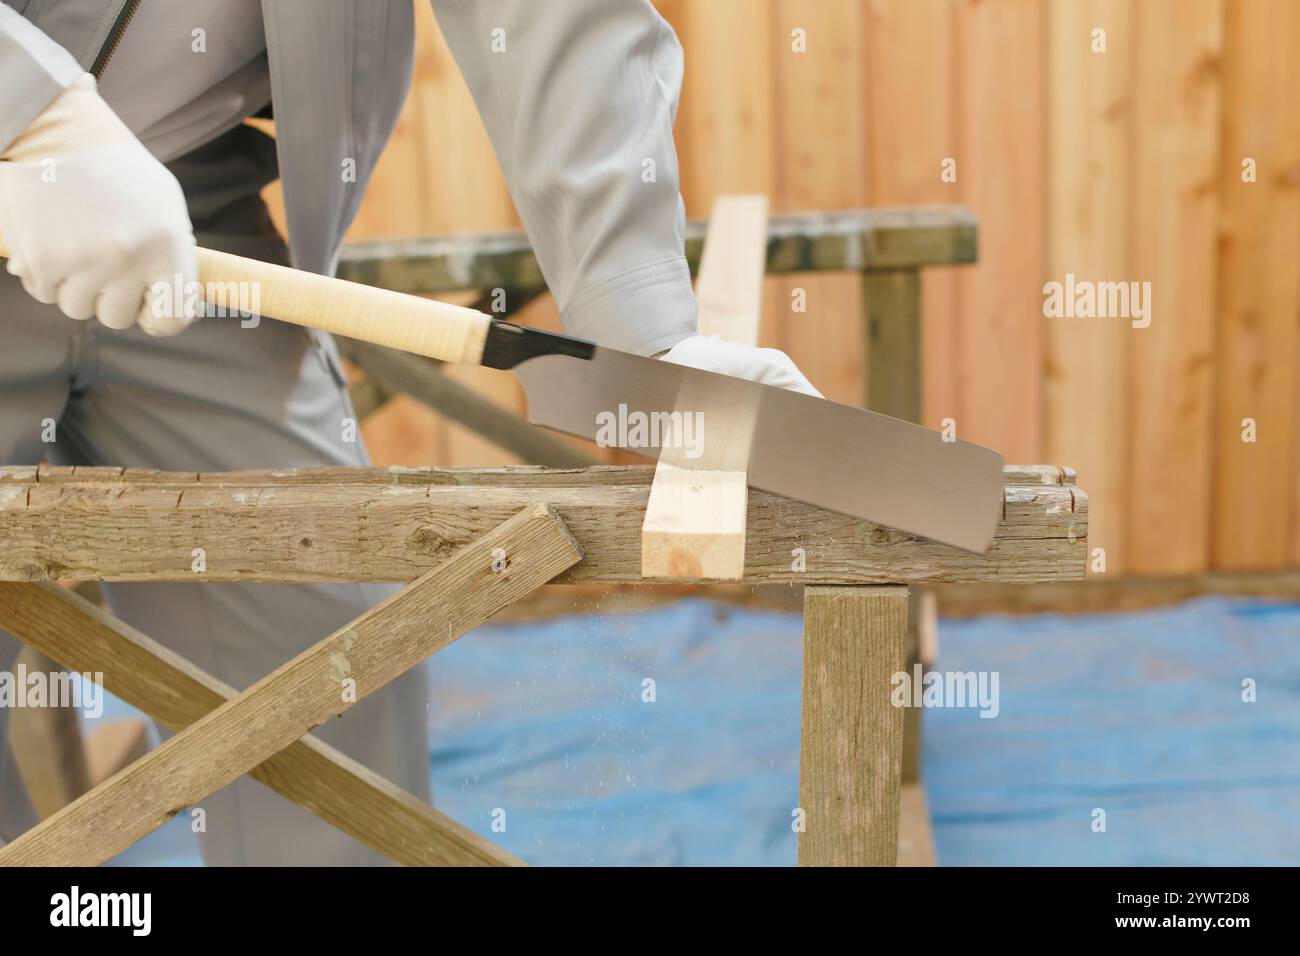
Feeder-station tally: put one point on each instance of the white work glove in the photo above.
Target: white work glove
(93, 223)
(766, 366)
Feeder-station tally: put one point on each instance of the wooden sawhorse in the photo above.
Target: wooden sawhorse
(470, 542)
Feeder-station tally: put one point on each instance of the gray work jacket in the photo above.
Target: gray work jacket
(578, 97)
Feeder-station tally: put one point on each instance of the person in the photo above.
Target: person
(123, 143)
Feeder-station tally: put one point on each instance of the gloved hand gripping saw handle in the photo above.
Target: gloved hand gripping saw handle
(412, 324)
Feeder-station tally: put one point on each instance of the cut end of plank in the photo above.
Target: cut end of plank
(695, 525)
(545, 512)
(711, 557)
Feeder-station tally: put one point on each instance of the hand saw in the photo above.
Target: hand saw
(881, 469)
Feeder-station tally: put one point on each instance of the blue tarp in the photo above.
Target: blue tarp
(1140, 715)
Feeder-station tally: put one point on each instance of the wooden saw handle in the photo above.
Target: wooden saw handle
(406, 322)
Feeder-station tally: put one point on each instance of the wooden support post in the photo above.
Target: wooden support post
(171, 690)
(695, 519)
(318, 684)
(850, 747)
(891, 312)
(891, 304)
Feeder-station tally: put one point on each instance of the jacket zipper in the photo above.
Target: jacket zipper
(114, 37)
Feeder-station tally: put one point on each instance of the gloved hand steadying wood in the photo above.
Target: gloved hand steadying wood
(92, 220)
(765, 366)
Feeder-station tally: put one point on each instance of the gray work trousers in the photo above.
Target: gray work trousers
(219, 396)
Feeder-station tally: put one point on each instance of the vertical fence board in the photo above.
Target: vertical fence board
(1176, 172)
(820, 165)
(1001, 167)
(911, 130)
(1255, 349)
(726, 126)
(1090, 191)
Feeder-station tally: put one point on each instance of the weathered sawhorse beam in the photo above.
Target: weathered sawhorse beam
(415, 524)
(857, 240)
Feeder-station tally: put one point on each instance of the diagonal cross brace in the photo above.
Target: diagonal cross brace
(85, 638)
(255, 725)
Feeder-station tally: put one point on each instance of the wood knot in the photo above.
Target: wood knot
(427, 541)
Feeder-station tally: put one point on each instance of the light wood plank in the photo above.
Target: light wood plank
(729, 287)
(694, 523)
(370, 524)
(322, 682)
(850, 747)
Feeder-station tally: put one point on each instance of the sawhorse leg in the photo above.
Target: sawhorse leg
(851, 741)
(891, 315)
